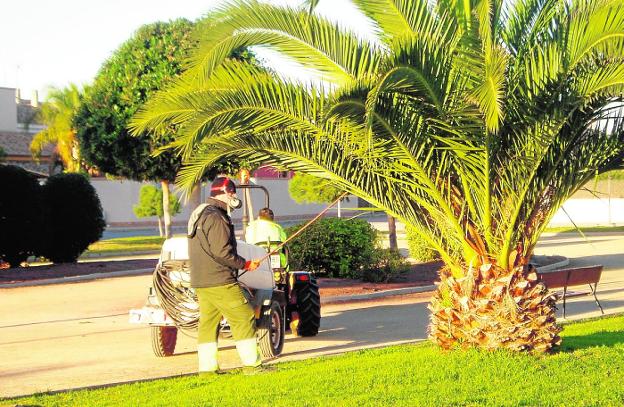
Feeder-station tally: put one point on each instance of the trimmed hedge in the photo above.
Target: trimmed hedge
(58, 221)
(20, 214)
(335, 247)
(418, 249)
(73, 216)
(388, 265)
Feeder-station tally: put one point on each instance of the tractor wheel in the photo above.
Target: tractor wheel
(308, 308)
(164, 340)
(271, 331)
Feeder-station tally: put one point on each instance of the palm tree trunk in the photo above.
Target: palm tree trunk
(492, 308)
(392, 236)
(160, 226)
(166, 210)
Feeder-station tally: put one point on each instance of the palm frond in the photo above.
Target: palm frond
(308, 39)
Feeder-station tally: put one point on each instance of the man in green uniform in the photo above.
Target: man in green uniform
(214, 269)
(264, 229)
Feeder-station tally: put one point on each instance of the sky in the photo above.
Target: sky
(54, 42)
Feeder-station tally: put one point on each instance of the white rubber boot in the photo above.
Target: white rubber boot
(249, 352)
(207, 353)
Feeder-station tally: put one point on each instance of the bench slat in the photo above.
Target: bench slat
(571, 277)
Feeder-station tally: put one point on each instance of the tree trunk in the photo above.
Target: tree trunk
(195, 198)
(392, 236)
(492, 308)
(166, 211)
(160, 227)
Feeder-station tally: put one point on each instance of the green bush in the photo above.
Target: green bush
(20, 214)
(418, 248)
(73, 217)
(388, 265)
(334, 247)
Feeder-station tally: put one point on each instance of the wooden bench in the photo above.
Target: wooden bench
(565, 278)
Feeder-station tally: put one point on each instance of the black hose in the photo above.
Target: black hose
(177, 298)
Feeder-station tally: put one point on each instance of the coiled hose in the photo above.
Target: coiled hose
(175, 294)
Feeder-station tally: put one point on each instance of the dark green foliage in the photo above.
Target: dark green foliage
(387, 265)
(151, 203)
(20, 214)
(73, 216)
(418, 248)
(2, 154)
(333, 246)
(145, 63)
(305, 188)
(141, 66)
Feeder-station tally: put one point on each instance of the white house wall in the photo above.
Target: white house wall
(118, 198)
(590, 212)
(8, 110)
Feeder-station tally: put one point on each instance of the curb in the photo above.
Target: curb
(377, 294)
(118, 254)
(326, 300)
(77, 279)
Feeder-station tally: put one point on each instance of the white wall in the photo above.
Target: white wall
(8, 110)
(118, 198)
(590, 212)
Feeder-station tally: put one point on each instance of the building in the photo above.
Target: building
(18, 125)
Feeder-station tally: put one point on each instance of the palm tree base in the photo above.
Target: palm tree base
(492, 308)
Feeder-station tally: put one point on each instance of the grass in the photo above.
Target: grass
(126, 245)
(587, 370)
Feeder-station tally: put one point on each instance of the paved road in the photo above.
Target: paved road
(74, 335)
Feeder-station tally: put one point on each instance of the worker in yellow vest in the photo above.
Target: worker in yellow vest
(263, 230)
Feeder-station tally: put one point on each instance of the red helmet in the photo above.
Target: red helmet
(222, 185)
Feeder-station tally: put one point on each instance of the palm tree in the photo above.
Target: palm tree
(57, 114)
(472, 122)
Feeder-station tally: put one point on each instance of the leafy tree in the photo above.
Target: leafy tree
(57, 113)
(472, 124)
(305, 188)
(143, 64)
(2, 154)
(151, 204)
(148, 61)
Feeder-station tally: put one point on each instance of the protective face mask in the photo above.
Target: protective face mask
(235, 203)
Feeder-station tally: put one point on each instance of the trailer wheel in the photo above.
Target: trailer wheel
(308, 308)
(164, 340)
(271, 331)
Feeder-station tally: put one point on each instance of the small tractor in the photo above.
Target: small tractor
(281, 298)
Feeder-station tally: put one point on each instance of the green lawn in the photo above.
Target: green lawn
(126, 245)
(587, 370)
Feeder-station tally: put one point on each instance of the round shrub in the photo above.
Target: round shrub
(20, 214)
(333, 246)
(418, 248)
(73, 216)
(388, 265)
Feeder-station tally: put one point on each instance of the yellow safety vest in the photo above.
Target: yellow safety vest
(261, 231)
